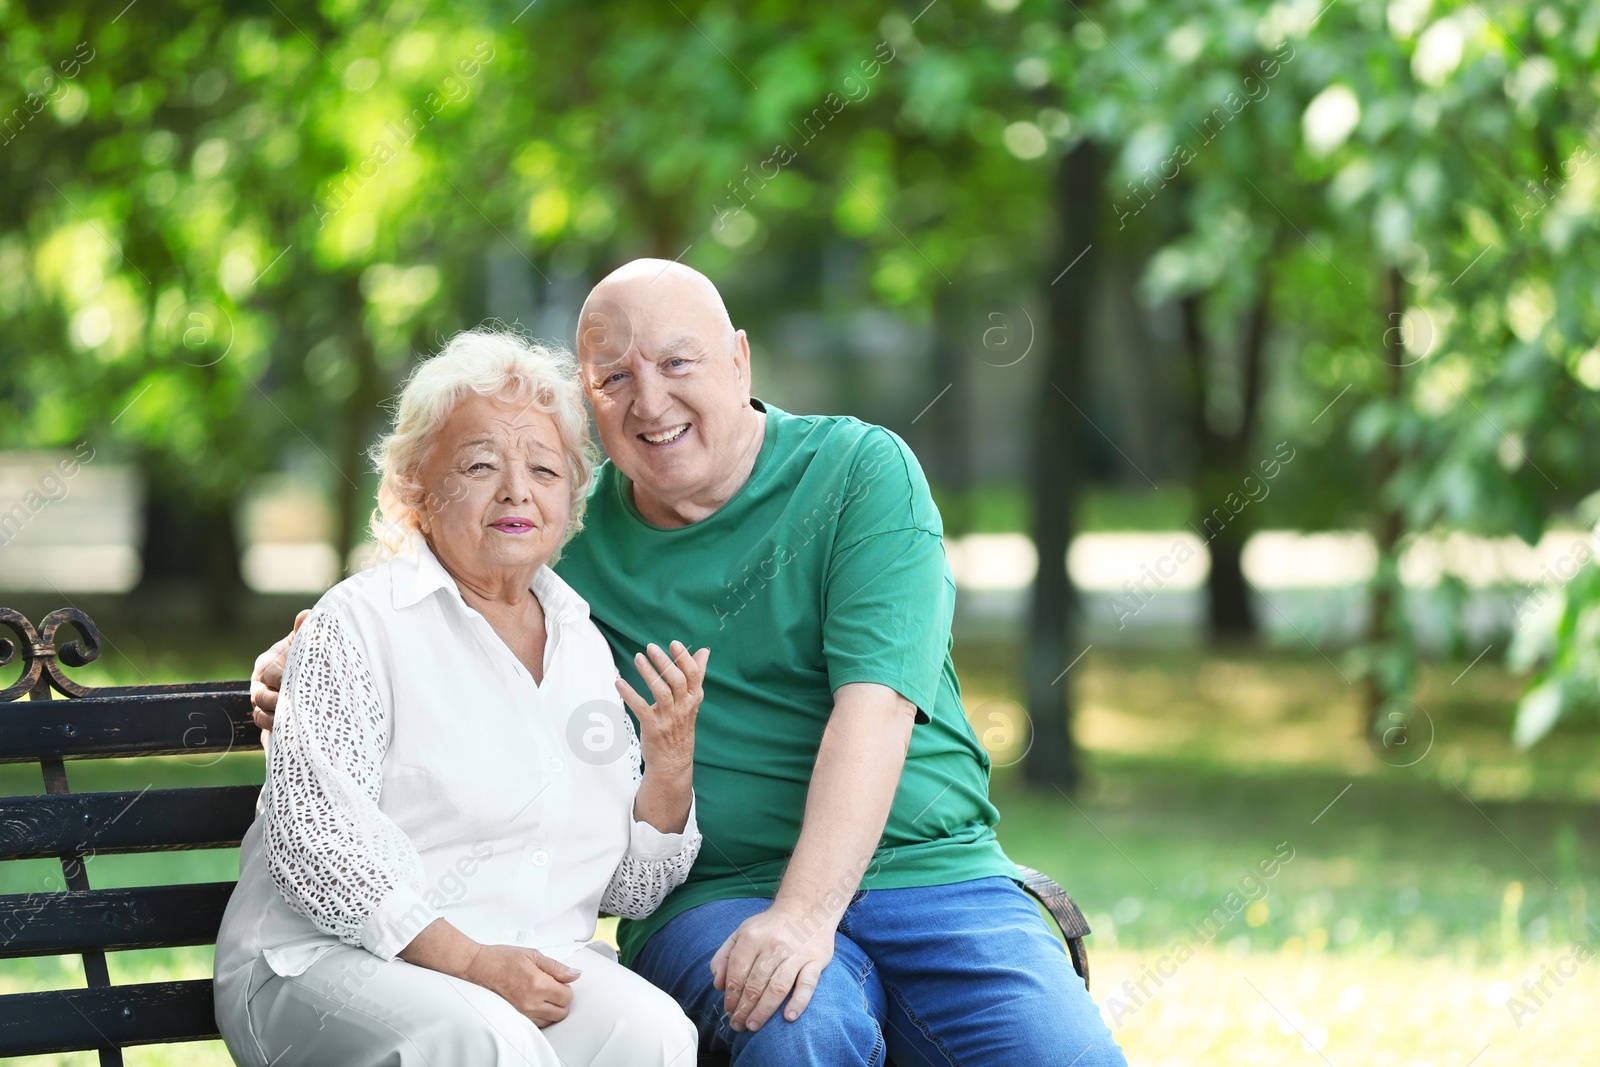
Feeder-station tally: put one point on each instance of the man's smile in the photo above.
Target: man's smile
(666, 436)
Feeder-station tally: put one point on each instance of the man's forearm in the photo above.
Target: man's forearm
(852, 788)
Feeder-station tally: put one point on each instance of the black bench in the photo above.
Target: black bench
(145, 720)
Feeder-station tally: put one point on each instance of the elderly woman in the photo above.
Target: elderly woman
(454, 793)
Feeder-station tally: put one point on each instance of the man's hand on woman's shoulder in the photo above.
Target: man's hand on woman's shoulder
(267, 678)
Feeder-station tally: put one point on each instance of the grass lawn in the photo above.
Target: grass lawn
(1418, 901)
(1405, 909)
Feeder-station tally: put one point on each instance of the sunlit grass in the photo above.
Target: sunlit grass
(1379, 1009)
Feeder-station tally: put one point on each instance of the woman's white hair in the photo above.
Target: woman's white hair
(491, 361)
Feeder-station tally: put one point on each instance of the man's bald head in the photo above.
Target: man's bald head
(641, 290)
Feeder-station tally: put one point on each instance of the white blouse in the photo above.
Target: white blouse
(417, 772)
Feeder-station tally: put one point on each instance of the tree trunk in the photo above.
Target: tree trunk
(190, 540)
(1230, 616)
(947, 422)
(1056, 470)
(351, 502)
(1384, 678)
(1222, 463)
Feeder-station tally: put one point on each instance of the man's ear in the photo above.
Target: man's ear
(741, 359)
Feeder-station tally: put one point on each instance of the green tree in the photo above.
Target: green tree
(1472, 312)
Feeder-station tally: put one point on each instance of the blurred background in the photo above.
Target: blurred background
(1252, 349)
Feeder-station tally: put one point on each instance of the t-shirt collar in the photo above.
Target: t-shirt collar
(418, 574)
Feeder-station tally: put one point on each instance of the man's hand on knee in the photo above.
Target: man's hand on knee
(267, 678)
(763, 961)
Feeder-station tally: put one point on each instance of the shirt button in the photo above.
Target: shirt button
(556, 764)
(540, 857)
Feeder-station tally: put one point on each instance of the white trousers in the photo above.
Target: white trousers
(351, 1009)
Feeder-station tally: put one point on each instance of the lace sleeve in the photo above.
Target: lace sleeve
(656, 863)
(334, 855)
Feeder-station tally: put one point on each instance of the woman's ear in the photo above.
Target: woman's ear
(412, 497)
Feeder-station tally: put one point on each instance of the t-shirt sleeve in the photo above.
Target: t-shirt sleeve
(888, 596)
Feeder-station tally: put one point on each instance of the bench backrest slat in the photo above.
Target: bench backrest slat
(156, 820)
(201, 720)
(111, 920)
(70, 1020)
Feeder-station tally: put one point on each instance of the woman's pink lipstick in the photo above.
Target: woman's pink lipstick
(512, 524)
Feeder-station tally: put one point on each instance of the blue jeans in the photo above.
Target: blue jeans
(964, 975)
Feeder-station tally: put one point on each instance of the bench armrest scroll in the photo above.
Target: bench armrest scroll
(1074, 927)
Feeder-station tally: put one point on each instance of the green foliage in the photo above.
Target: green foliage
(1560, 642)
(1331, 153)
(223, 236)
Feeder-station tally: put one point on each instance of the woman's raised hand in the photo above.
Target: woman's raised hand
(666, 727)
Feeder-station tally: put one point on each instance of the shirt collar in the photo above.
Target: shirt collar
(418, 574)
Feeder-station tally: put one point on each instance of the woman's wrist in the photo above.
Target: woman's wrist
(477, 969)
(665, 796)
(441, 947)
(670, 776)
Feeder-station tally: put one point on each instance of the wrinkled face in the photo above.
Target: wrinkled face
(669, 396)
(496, 488)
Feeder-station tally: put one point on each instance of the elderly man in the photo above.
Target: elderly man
(850, 902)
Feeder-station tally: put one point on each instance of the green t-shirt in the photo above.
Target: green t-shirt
(827, 567)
